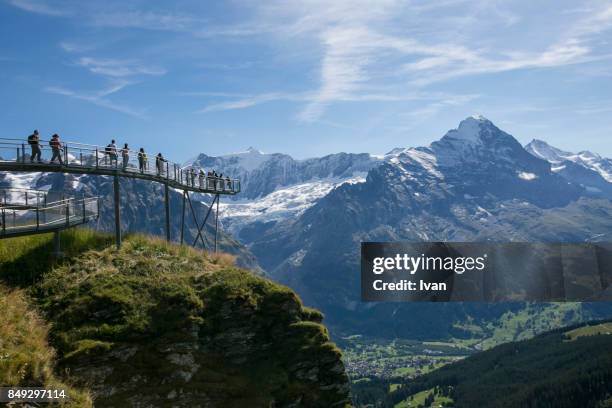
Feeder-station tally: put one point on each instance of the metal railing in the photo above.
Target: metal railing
(31, 210)
(91, 157)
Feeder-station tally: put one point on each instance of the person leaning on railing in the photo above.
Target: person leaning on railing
(142, 160)
(159, 164)
(56, 148)
(111, 151)
(34, 142)
(201, 177)
(125, 155)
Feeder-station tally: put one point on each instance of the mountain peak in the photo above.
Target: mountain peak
(543, 150)
(253, 150)
(479, 117)
(469, 128)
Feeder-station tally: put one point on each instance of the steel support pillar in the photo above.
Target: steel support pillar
(117, 212)
(167, 205)
(217, 221)
(183, 217)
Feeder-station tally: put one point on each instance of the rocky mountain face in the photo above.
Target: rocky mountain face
(586, 169)
(304, 219)
(159, 325)
(476, 183)
(261, 174)
(276, 187)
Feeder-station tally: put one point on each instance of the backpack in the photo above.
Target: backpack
(31, 139)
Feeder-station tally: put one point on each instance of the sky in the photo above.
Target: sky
(305, 77)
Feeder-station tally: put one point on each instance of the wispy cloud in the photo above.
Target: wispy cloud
(100, 98)
(75, 47)
(252, 100)
(356, 48)
(118, 68)
(39, 7)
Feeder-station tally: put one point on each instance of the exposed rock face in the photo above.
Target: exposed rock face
(477, 183)
(260, 173)
(154, 325)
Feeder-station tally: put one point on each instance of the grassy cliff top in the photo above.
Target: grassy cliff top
(145, 311)
(26, 359)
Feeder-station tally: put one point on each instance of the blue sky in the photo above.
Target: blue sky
(307, 77)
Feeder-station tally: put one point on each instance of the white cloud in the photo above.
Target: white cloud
(118, 68)
(38, 7)
(360, 45)
(100, 98)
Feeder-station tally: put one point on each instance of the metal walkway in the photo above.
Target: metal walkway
(27, 212)
(79, 158)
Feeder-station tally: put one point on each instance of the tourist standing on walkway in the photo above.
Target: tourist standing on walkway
(111, 151)
(34, 142)
(56, 148)
(159, 164)
(202, 176)
(192, 173)
(142, 160)
(125, 155)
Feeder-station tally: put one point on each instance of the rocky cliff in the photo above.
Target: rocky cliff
(157, 325)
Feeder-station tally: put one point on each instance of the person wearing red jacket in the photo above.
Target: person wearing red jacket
(56, 148)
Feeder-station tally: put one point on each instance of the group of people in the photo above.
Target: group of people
(206, 180)
(56, 147)
(112, 154)
(210, 180)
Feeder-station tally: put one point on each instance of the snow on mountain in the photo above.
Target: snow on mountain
(250, 159)
(281, 204)
(558, 157)
(469, 129)
(261, 174)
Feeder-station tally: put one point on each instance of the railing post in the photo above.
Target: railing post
(97, 158)
(183, 218)
(18, 158)
(26, 197)
(3, 220)
(23, 152)
(66, 154)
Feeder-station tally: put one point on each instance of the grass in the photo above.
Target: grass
(406, 371)
(418, 399)
(588, 330)
(26, 359)
(256, 341)
(24, 260)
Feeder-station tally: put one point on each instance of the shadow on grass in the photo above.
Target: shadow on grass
(24, 260)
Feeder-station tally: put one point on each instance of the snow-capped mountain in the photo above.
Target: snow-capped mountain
(477, 183)
(304, 219)
(558, 157)
(276, 187)
(261, 174)
(585, 168)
